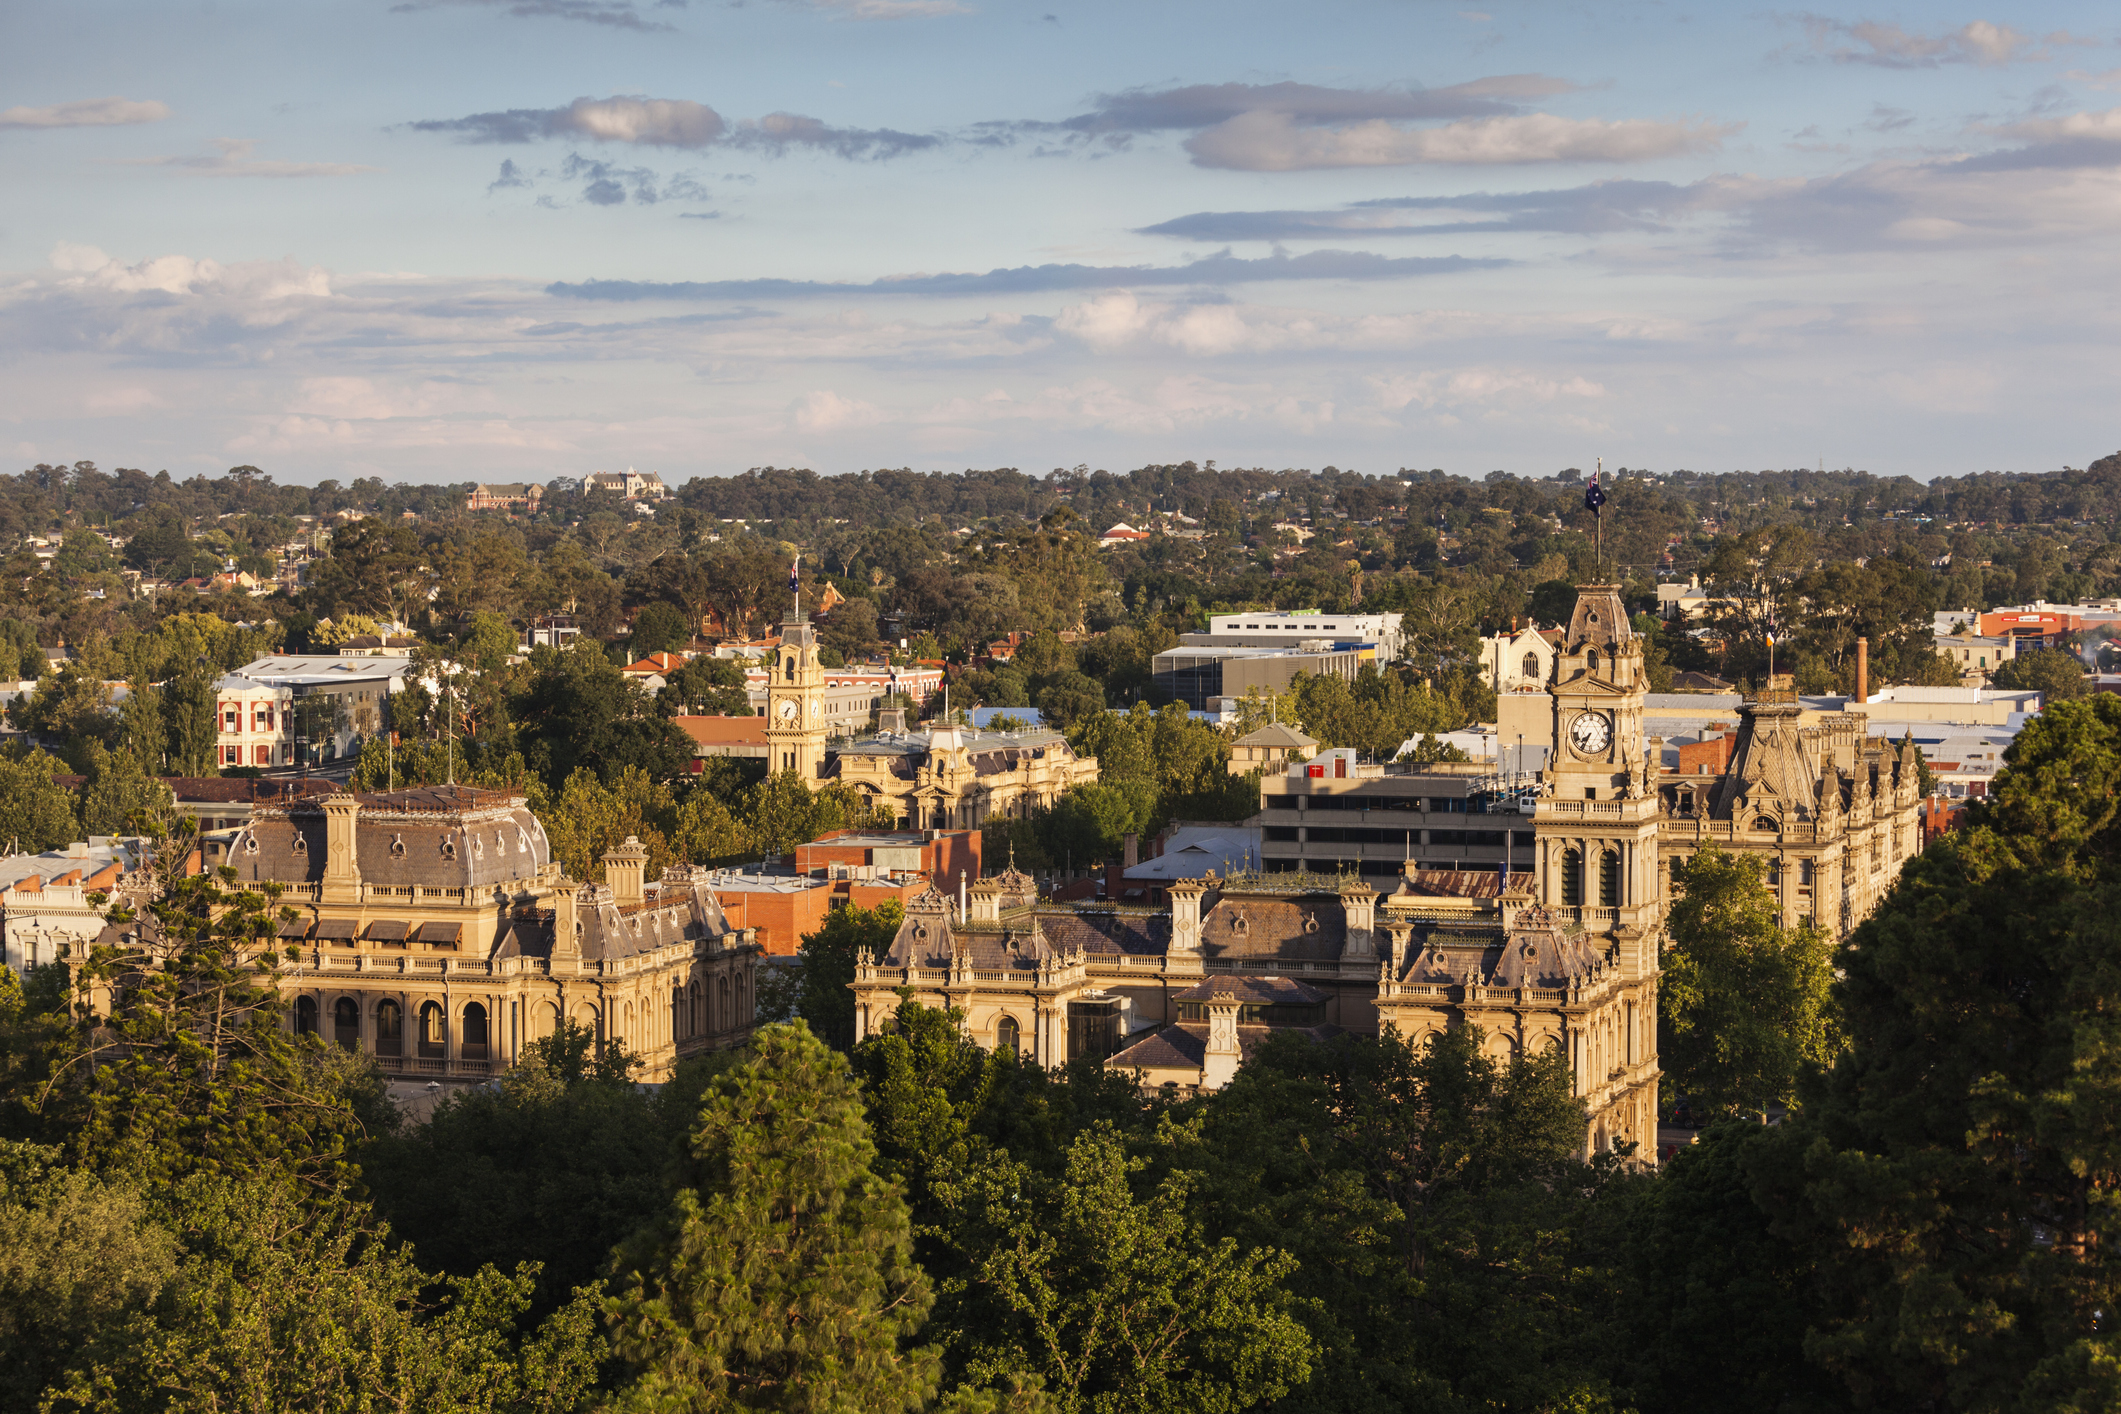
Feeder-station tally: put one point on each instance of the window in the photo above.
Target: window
(1006, 1035)
(346, 1023)
(1572, 878)
(390, 1029)
(1804, 873)
(1531, 665)
(474, 1047)
(434, 1031)
(1609, 879)
(1765, 823)
(305, 1016)
(1590, 660)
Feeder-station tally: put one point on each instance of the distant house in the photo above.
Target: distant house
(1121, 534)
(1268, 748)
(505, 496)
(631, 484)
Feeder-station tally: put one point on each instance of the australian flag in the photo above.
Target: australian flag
(797, 564)
(1593, 495)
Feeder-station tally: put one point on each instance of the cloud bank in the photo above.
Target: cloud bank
(611, 14)
(676, 123)
(86, 113)
(1889, 46)
(1278, 142)
(1220, 269)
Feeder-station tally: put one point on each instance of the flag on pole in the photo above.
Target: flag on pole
(1593, 495)
(793, 583)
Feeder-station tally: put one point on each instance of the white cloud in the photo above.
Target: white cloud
(826, 411)
(662, 122)
(84, 267)
(1889, 46)
(231, 158)
(2098, 127)
(86, 113)
(2110, 80)
(1273, 142)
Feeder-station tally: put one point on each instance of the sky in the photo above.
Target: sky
(447, 240)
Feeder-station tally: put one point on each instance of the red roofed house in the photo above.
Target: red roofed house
(743, 737)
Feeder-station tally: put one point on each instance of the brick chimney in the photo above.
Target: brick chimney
(342, 864)
(1863, 671)
(623, 866)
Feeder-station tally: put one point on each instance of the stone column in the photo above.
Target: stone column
(1219, 1066)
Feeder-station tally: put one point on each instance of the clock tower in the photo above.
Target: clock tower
(1597, 823)
(1597, 830)
(795, 701)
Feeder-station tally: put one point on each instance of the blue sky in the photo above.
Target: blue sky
(510, 239)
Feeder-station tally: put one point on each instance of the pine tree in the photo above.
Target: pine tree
(783, 1276)
(1957, 1179)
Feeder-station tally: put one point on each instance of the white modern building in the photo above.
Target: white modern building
(355, 689)
(1275, 629)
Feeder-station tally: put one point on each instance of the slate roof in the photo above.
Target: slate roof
(433, 836)
(1253, 991)
(1307, 928)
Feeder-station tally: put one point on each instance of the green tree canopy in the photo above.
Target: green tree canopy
(782, 1277)
(1745, 1004)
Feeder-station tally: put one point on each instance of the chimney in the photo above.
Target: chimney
(1863, 671)
(1185, 897)
(1219, 1065)
(342, 865)
(1359, 901)
(1134, 849)
(623, 867)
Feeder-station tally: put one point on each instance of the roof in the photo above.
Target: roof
(1253, 991)
(1193, 850)
(1277, 734)
(656, 663)
(724, 731)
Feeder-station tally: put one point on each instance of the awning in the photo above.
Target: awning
(295, 928)
(440, 933)
(338, 930)
(387, 931)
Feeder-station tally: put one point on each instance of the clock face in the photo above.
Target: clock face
(789, 707)
(1590, 733)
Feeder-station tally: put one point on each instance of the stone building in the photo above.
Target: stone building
(435, 932)
(944, 778)
(1562, 955)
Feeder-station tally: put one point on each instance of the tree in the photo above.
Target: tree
(578, 711)
(1443, 1220)
(38, 813)
(1745, 1005)
(284, 1304)
(120, 798)
(1103, 1285)
(659, 628)
(1951, 1181)
(191, 1071)
(588, 817)
(193, 727)
(708, 687)
(828, 966)
(782, 1277)
(72, 705)
(2052, 672)
(555, 1167)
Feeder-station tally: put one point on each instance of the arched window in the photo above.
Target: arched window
(390, 1029)
(1590, 660)
(305, 1016)
(788, 659)
(346, 1023)
(1006, 1036)
(548, 1019)
(474, 1044)
(1609, 879)
(1765, 823)
(721, 1012)
(1531, 665)
(1572, 878)
(693, 1008)
(434, 1031)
